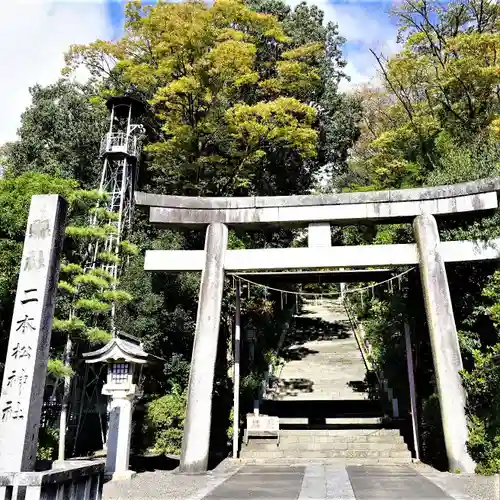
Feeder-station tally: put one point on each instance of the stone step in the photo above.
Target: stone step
(324, 461)
(324, 446)
(339, 432)
(324, 438)
(332, 439)
(304, 454)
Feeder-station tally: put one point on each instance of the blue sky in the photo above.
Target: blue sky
(35, 34)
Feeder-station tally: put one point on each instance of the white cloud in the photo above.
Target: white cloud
(34, 34)
(366, 25)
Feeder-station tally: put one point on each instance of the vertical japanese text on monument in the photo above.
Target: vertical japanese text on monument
(25, 325)
(16, 378)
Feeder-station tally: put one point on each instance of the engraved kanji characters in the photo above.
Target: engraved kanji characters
(21, 351)
(29, 299)
(12, 410)
(18, 378)
(39, 229)
(35, 260)
(25, 325)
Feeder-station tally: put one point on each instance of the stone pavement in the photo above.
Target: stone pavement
(232, 480)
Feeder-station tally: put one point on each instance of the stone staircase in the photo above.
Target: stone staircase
(321, 400)
(357, 446)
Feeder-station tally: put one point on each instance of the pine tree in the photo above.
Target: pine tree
(87, 290)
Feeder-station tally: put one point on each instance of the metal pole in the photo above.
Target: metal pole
(236, 371)
(411, 382)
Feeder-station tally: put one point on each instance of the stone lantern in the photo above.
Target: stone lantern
(125, 358)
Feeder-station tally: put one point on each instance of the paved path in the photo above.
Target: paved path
(311, 482)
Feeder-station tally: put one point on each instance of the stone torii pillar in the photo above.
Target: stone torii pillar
(196, 438)
(444, 342)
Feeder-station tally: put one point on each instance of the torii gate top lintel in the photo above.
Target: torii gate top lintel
(341, 208)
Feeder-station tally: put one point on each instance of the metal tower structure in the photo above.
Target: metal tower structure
(120, 152)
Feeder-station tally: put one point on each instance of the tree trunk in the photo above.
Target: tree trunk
(65, 400)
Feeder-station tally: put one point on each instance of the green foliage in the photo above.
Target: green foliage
(492, 291)
(482, 384)
(69, 325)
(15, 198)
(56, 368)
(47, 443)
(66, 287)
(102, 214)
(94, 306)
(102, 273)
(240, 113)
(166, 417)
(91, 280)
(60, 134)
(90, 232)
(251, 386)
(128, 248)
(70, 268)
(435, 117)
(117, 296)
(95, 335)
(108, 257)
(275, 361)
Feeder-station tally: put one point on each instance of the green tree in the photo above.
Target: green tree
(60, 134)
(231, 94)
(88, 291)
(440, 91)
(15, 199)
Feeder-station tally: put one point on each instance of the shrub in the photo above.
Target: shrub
(166, 417)
(47, 443)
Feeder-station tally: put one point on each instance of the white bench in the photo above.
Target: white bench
(262, 426)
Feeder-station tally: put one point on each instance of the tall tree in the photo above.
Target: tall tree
(440, 91)
(87, 290)
(235, 99)
(60, 134)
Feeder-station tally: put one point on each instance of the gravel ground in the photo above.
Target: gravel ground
(463, 486)
(168, 485)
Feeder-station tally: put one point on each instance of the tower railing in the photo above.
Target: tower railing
(119, 142)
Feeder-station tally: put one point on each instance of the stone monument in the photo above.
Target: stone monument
(23, 384)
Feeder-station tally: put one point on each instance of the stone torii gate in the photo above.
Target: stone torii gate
(420, 206)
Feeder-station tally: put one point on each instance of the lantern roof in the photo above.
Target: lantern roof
(122, 347)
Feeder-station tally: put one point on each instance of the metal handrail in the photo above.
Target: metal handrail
(359, 341)
(356, 327)
(119, 142)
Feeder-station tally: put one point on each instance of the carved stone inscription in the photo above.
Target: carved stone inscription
(23, 384)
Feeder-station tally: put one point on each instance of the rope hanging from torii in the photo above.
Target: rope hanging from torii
(315, 295)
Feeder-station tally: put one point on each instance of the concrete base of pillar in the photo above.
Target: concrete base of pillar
(120, 476)
(120, 430)
(59, 464)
